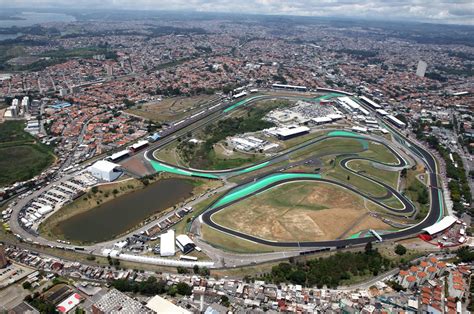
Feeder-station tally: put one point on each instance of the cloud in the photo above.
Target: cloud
(443, 11)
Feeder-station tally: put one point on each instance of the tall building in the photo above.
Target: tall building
(421, 69)
(3, 257)
(110, 70)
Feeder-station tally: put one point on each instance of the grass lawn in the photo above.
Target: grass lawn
(416, 191)
(385, 176)
(380, 153)
(330, 146)
(22, 157)
(298, 211)
(361, 183)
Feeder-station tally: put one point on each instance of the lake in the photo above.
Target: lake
(125, 212)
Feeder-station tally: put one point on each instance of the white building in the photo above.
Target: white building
(105, 170)
(421, 69)
(185, 243)
(167, 247)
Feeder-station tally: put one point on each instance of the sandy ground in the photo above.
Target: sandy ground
(319, 212)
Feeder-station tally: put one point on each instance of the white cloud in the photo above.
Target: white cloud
(444, 11)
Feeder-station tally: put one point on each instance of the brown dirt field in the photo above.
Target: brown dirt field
(170, 108)
(137, 166)
(318, 211)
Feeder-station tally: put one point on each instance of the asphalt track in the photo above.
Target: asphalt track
(434, 215)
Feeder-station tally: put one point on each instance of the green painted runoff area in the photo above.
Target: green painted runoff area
(256, 167)
(159, 167)
(240, 103)
(344, 133)
(266, 181)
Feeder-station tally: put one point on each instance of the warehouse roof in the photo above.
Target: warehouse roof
(104, 165)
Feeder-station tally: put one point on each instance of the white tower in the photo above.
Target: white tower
(421, 69)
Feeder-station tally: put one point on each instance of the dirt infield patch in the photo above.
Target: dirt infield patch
(301, 211)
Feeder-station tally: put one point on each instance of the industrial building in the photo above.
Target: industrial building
(185, 243)
(167, 247)
(105, 170)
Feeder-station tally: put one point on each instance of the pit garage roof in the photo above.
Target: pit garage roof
(441, 225)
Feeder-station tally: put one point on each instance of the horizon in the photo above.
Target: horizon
(438, 12)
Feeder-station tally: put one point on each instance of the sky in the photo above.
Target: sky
(437, 11)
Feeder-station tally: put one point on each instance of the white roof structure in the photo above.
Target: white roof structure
(291, 131)
(382, 112)
(45, 209)
(139, 144)
(396, 120)
(119, 154)
(441, 225)
(371, 102)
(105, 165)
(359, 129)
(322, 119)
(184, 239)
(161, 305)
(167, 244)
(105, 170)
(335, 116)
(348, 101)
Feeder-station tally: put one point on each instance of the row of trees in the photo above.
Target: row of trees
(458, 184)
(152, 286)
(332, 270)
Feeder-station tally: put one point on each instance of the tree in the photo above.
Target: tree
(196, 269)
(225, 301)
(204, 272)
(368, 248)
(400, 249)
(26, 285)
(182, 270)
(183, 288)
